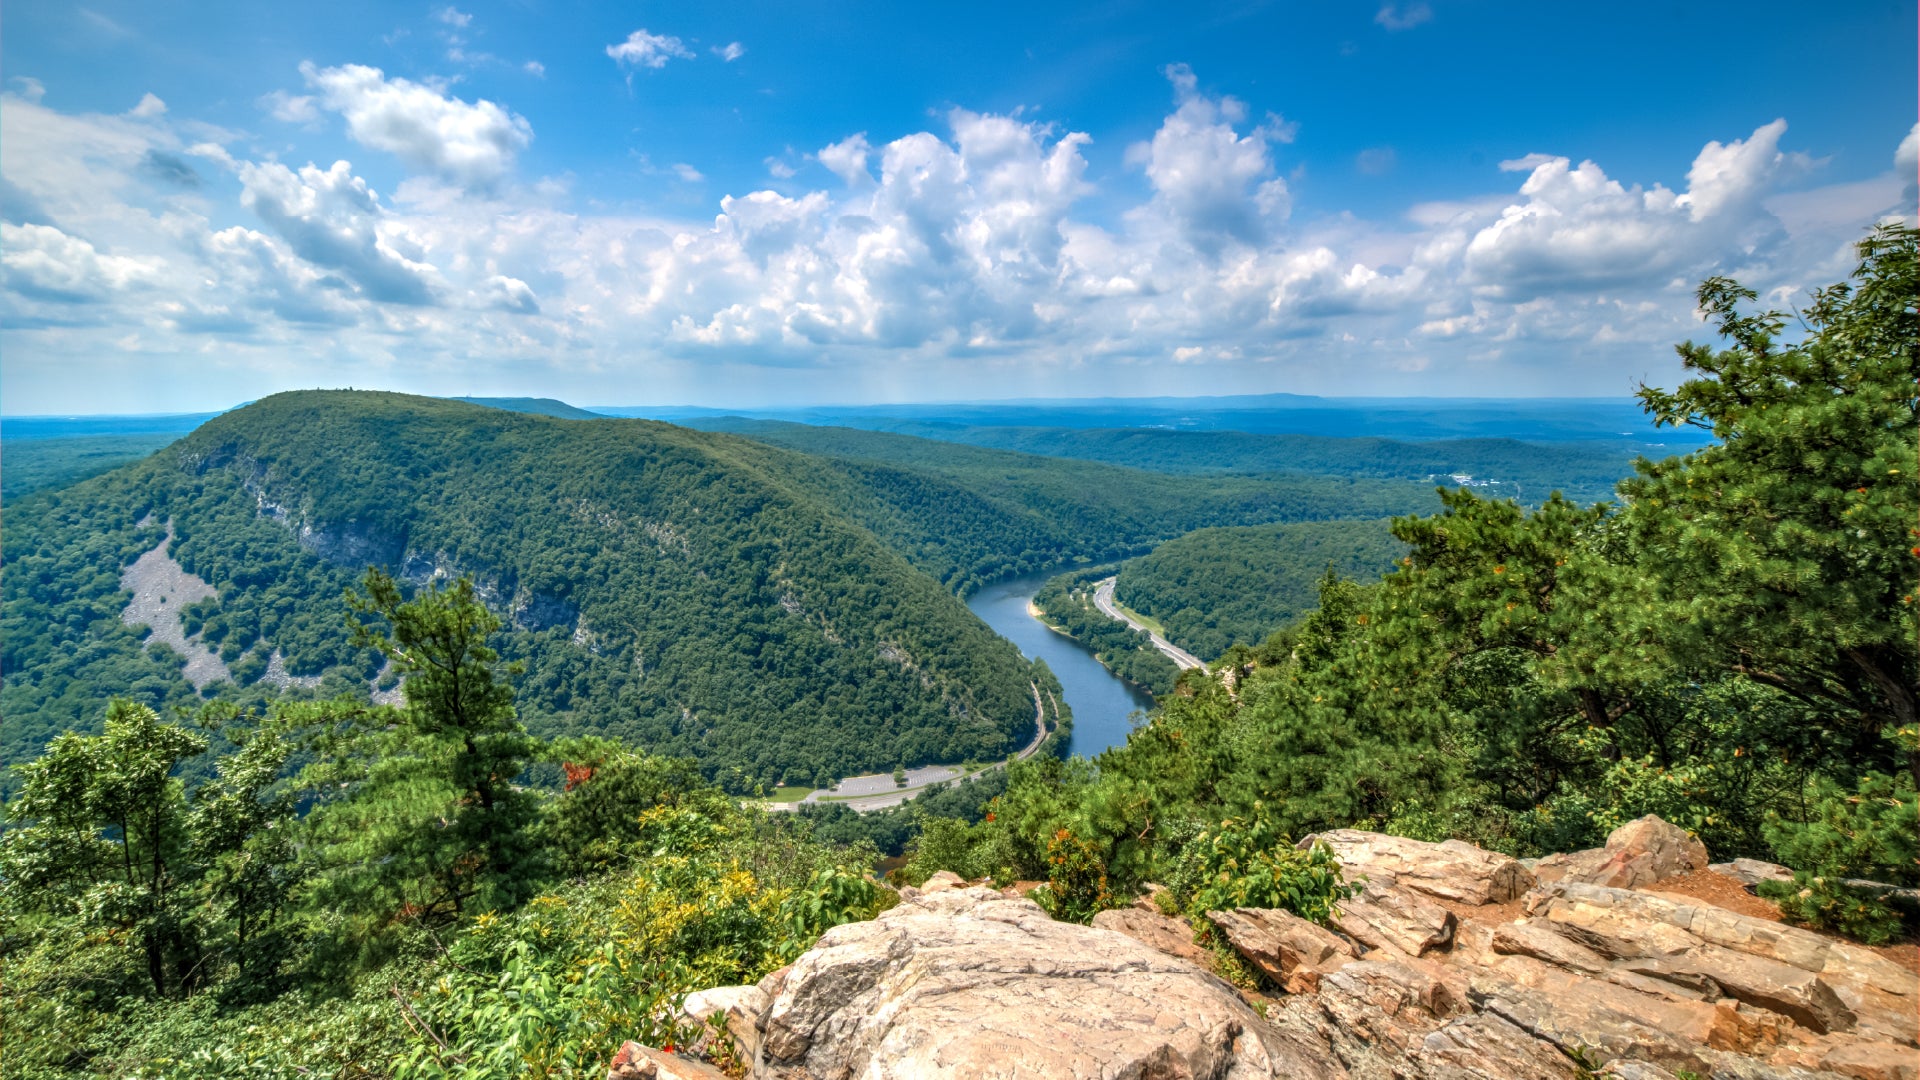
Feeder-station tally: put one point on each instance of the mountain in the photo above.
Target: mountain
(666, 586)
(1213, 588)
(780, 615)
(538, 406)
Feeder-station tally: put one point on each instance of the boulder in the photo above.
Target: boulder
(1386, 917)
(1882, 996)
(941, 881)
(1752, 872)
(637, 1062)
(969, 983)
(1163, 932)
(1453, 870)
(1285, 947)
(1641, 852)
(737, 1008)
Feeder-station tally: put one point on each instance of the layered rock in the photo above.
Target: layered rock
(1426, 974)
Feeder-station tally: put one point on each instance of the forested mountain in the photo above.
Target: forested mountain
(673, 588)
(1508, 468)
(1217, 587)
(538, 406)
(695, 593)
(970, 515)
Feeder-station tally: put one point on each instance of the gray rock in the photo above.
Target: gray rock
(1382, 916)
(1285, 947)
(970, 983)
(1453, 870)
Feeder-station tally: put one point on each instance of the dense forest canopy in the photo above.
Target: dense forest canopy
(1218, 587)
(1508, 468)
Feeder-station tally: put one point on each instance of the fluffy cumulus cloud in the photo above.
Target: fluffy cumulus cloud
(644, 50)
(984, 248)
(42, 261)
(1214, 184)
(1573, 227)
(468, 143)
(333, 220)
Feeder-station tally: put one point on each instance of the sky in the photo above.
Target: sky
(761, 204)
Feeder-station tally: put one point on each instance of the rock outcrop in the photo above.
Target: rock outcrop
(1431, 972)
(1636, 854)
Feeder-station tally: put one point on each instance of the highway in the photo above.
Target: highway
(1103, 599)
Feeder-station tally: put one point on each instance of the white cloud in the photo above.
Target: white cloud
(1211, 183)
(454, 17)
(779, 169)
(468, 143)
(1906, 165)
(1576, 228)
(291, 108)
(729, 52)
(688, 173)
(31, 90)
(535, 68)
(1395, 17)
(847, 159)
(984, 253)
(333, 220)
(510, 294)
(644, 50)
(149, 107)
(43, 262)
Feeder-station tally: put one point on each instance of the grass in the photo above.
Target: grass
(789, 793)
(1147, 621)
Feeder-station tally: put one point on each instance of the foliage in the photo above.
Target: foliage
(1215, 587)
(1076, 888)
(47, 464)
(1826, 903)
(1250, 863)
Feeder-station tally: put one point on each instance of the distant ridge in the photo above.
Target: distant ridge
(538, 406)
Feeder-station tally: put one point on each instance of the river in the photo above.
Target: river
(1100, 700)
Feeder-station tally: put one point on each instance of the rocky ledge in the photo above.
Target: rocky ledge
(1452, 962)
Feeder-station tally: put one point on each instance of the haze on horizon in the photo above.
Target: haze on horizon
(807, 204)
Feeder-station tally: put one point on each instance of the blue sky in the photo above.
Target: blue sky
(757, 204)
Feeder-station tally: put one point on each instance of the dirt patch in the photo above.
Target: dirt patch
(1727, 892)
(161, 587)
(1721, 891)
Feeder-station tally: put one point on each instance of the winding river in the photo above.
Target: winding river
(1101, 701)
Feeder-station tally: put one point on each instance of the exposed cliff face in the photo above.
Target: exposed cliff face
(1454, 963)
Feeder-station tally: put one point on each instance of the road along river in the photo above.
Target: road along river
(1101, 701)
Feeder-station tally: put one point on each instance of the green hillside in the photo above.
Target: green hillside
(970, 516)
(1217, 587)
(30, 465)
(663, 585)
(538, 406)
(1527, 471)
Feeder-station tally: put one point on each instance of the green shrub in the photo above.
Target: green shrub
(1825, 903)
(1251, 863)
(1076, 888)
